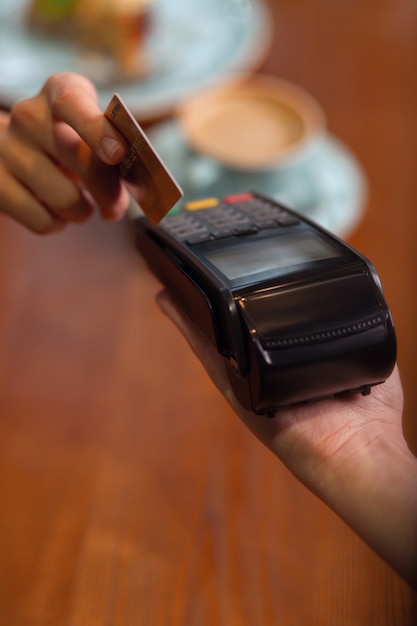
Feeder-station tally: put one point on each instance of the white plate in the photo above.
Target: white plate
(193, 44)
(326, 183)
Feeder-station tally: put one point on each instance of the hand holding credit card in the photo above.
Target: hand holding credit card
(147, 177)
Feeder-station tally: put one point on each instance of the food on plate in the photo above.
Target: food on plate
(116, 29)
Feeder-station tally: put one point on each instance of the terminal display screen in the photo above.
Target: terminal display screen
(249, 258)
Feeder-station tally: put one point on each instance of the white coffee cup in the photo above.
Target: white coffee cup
(251, 124)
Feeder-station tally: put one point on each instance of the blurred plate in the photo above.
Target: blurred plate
(192, 45)
(326, 183)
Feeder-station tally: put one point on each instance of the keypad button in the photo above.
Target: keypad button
(193, 240)
(263, 224)
(221, 233)
(184, 225)
(286, 219)
(245, 229)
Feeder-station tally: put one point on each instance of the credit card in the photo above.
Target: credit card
(148, 179)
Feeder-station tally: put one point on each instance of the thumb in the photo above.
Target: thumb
(73, 99)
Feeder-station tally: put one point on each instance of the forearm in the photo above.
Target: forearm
(376, 495)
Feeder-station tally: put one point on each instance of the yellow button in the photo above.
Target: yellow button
(201, 204)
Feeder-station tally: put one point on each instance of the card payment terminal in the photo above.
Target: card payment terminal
(297, 314)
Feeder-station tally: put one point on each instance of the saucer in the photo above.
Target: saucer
(326, 183)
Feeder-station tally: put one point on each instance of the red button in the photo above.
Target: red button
(242, 197)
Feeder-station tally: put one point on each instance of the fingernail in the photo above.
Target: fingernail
(112, 149)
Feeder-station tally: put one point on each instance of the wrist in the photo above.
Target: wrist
(374, 490)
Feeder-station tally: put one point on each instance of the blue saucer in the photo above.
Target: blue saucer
(326, 183)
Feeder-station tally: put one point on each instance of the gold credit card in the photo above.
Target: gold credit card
(147, 177)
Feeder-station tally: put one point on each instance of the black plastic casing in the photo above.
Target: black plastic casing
(300, 333)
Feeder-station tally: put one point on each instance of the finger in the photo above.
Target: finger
(50, 186)
(70, 98)
(202, 348)
(264, 429)
(73, 99)
(21, 205)
(32, 125)
(101, 180)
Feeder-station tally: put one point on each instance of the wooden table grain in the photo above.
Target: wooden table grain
(130, 494)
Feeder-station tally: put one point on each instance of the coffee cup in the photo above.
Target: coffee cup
(248, 134)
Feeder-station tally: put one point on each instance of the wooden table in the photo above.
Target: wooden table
(130, 494)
